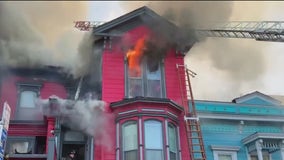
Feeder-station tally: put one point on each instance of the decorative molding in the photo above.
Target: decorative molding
(130, 111)
(257, 135)
(153, 110)
(241, 117)
(225, 148)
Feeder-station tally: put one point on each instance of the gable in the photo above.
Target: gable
(257, 98)
(181, 39)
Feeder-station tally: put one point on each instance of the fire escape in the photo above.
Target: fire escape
(272, 31)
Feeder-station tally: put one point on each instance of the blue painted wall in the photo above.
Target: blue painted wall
(225, 132)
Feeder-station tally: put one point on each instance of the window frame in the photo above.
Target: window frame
(144, 78)
(233, 154)
(22, 87)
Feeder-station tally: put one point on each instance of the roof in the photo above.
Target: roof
(127, 101)
(257, 98)
(181, 38)
(130, 17)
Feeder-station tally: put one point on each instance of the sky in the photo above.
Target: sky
(226, 68)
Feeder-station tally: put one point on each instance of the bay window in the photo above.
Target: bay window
(154, 142)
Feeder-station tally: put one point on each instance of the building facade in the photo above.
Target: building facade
(135, 74)
(248, 128)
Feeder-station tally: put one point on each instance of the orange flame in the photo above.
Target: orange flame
(134, 57)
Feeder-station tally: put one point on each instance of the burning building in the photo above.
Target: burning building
(128, 107)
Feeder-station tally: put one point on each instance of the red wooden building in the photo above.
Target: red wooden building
(137, 77)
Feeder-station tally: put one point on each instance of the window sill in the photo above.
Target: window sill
(28, 156)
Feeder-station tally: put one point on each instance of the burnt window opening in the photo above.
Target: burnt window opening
(26, 106)
(25, 145)
(76, 142)
(145, 79)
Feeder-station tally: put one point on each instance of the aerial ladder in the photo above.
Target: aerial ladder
(272, 31)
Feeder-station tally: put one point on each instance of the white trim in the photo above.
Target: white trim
(170, 113)
(140, 138)
(179, 147)
(117, 141)
(241, 117)
(153, 110)
(225, 148)
(130, 111)
(167, 139)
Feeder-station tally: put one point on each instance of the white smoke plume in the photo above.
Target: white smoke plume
(87, 116)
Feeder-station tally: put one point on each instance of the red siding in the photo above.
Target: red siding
(171, 77)
(113, 86)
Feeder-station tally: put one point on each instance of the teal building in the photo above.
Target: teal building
(251, 127)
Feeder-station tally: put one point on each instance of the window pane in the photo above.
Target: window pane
(153, 135)
(172, 142)
(154, 83)
(225, 157)
(173, 155)
(130, 137)
(135, 87)
(130, 155)
(27, 99)
(154, 154)
(172, 138)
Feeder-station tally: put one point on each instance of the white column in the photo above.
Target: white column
(140, 139)
(258, 144)
(117, 141)
(282, 149)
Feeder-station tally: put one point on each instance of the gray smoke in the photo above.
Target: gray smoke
(87, 115)
(240, 62)
(36, 34)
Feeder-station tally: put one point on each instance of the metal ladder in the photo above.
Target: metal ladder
(193, 129)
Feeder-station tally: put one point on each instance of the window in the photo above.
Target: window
(130, 141)
(173, 144)
(153, 140)
(25, 145)
(224, 155)
(147, 140)
(145, 80)
(26, 108)
(74, 141)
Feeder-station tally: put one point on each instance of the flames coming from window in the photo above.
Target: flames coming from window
(134, 57)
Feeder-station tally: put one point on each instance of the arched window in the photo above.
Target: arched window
(173, 143)
(129, 141)
(153, 140)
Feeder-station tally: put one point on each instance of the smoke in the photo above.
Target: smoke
(87, 115)
(240, 62)
(35, 34)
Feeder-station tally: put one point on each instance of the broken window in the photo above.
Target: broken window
(145, 81)
(25, 145)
